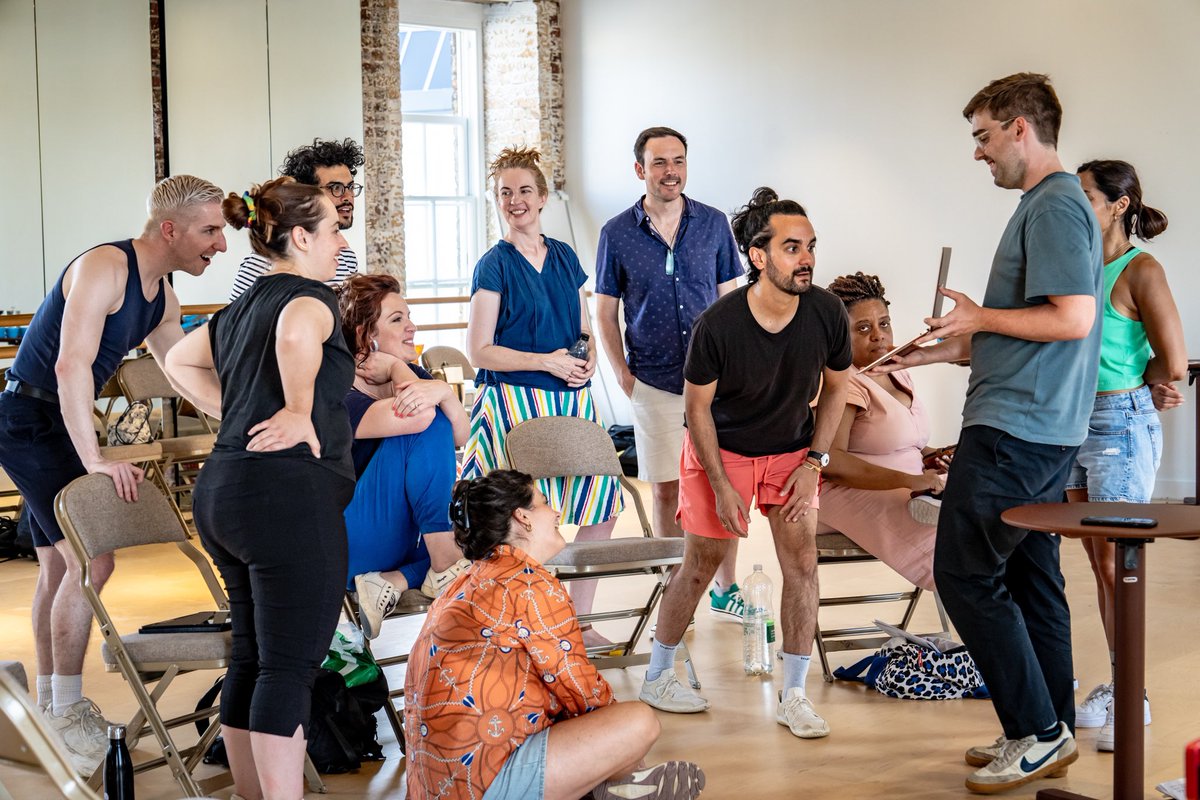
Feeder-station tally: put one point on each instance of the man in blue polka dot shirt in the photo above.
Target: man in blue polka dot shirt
(667, 258)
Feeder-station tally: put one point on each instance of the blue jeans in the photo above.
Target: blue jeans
(1119, 460)
(523, 776)
(1002, 586)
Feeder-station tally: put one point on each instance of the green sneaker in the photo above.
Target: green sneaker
(730, 604)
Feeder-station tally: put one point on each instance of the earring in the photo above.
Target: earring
(528, 527)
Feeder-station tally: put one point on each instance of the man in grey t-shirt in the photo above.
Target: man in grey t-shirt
(1034, 347)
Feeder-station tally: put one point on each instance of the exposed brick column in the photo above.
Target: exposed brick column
(156, 90)
(381, 137)
(523, 84)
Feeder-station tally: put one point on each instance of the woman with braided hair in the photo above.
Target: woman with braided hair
(274, 366)
(880, 456)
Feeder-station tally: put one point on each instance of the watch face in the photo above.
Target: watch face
(819, 457)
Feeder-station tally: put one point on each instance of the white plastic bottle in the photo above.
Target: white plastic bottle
(758, 624)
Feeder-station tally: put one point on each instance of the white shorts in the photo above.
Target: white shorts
(657, 432)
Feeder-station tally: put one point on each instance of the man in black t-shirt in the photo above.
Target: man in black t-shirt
(757, 357)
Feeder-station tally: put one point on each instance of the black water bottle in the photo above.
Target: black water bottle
(118, 766)
(580, 348)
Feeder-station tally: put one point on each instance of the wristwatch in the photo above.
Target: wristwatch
(822, 459)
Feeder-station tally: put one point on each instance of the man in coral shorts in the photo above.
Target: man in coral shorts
(757, 357)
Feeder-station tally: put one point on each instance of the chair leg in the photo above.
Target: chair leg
(315, 783)
(687, 665)
(819, 641)
(941, 609)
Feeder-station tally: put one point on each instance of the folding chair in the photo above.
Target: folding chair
(442, 356)
(562, 446)
(143, 379)
(27, 742)
(411, 603)
(834, 547)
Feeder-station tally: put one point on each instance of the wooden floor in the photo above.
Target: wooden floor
(879, 747)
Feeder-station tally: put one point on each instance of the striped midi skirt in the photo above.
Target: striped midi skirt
(582, 500)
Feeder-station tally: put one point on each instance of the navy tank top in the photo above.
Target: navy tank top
(124, 329)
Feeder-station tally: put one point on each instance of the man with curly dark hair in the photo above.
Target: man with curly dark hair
(332, 165)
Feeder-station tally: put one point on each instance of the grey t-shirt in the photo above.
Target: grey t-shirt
(1040, 391)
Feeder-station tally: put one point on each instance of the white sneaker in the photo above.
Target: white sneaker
(671, 780)
(982, 755)
(1106, 739)
(1021, 761)
(668, 694)
(435, 582)
(1092, 712)
(925, 509)
(84, 732)
(376, 599)
(797, 713)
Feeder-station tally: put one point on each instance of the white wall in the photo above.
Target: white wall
(76, 130)
(854, 108)
(247, 81)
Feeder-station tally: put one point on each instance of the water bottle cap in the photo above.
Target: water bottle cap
(758, 567)
(116, 731)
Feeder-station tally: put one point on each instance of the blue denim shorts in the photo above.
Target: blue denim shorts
(523, 776)
(1119, 459)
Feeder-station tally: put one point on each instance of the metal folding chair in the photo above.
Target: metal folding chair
(562, 446)
(27, 742)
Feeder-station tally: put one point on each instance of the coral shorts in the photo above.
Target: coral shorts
(760, 478)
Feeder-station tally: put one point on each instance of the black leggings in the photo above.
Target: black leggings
(275, 531)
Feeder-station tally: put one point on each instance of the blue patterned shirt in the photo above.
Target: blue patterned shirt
(664, 292)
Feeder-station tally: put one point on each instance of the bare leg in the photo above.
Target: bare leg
(396, 578)
(442, 550)
(609, 742)
(1103, 558)
(701, 557)
(727, 572)
(71, 616)
(51, 569)
(666, 503)
(796, 548)
(241, 762)
(281, 773)
(584, 592)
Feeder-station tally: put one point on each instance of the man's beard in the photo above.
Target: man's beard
(785, 282)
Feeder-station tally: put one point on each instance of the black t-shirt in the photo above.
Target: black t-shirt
(357, 403)
(766, 380)
(242, 336)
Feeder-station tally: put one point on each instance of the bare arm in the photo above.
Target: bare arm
(1156, 307)
(731, 509)
(847, 469)
(801, 485)
(169, 332)
(303, 327)
(484, 354)
(726, 287)
(189, 366)
(97, 289)
(608, 321)
(1060, 318)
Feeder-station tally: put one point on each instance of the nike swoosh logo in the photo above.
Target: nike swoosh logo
(1030, 766)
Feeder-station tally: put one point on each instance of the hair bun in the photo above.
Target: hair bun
(237, 211)
(762, 196)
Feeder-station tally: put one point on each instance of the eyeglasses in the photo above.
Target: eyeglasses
(983, 137)
(337, 188)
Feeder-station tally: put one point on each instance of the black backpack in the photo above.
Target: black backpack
(341, 729)
(16, 537)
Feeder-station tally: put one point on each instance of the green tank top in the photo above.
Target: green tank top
(1124, 349)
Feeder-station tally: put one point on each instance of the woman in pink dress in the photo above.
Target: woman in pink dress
(880, 455)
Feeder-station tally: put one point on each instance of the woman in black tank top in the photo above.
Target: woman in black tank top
(268, 503)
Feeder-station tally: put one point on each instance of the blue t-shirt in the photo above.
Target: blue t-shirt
(661, 306)
(1040, 391)
(539, 311)
(357, 403)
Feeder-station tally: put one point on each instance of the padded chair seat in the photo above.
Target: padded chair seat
(172, 648)
(836, 543)
(624, 550)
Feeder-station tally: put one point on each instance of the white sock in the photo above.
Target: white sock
(795, 672)
(66, 689)
(662, 658)
(45, 694)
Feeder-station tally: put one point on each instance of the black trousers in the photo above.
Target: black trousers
(1002, 586)
(275, 531)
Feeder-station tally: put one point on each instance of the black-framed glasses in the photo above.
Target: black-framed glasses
(337, 188)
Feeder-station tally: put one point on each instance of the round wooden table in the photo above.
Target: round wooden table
(1174, 522)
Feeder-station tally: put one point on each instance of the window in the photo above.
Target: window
(440, 100)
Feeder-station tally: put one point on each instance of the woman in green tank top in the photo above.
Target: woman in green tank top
(1141, 355)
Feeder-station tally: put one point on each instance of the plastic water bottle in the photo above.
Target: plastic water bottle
(118, 766)
(758, 624)
(580, 348)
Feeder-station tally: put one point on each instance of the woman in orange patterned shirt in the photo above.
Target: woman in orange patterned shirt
(501, 700)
